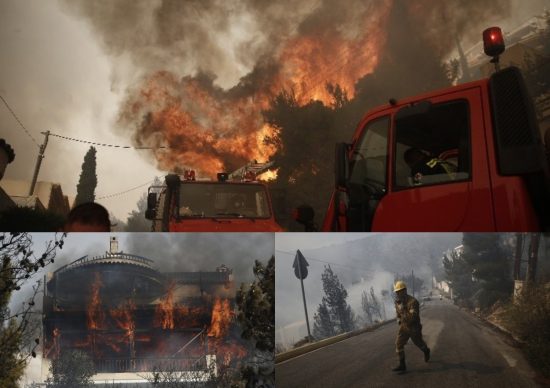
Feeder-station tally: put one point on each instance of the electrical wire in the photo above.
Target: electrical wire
(103, 144)
(19, 121)
(327, 262)
(125, 191)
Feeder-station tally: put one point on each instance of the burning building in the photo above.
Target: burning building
(132, 319)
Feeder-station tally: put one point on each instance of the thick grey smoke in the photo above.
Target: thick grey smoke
(228, 39)
(223, 38)
(233, 56)
(170, 253)
(204, 251)
(359, 264)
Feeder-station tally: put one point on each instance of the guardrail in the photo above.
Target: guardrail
(325, 342)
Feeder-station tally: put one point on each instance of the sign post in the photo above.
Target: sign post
(300, 270)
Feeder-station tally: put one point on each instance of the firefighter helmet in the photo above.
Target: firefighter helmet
(399, 285)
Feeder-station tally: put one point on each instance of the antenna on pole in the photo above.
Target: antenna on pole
(39, 161)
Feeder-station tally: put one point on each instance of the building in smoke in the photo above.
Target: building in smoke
(132, 319)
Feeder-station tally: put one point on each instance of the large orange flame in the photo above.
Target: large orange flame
(164, 312)
(210, 129)
(222, 314)
(95, 314)
(53, 349)
(312, 63)
(124, 318)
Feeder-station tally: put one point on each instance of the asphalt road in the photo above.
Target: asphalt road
(466, 353)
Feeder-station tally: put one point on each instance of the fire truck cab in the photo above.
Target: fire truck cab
(466, 158)
(186, 204)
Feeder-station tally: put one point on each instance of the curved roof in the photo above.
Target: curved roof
(108, 258)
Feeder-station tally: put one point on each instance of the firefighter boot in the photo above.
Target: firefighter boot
(401, 368)
(427, 354)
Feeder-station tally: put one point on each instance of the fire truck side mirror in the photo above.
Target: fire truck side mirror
(172, 181)
(151, 200)
(151, 206)
(149, 214)
(341, 164)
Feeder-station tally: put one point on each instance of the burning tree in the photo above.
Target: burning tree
(256, 304)
(19, 263)
(302, 133)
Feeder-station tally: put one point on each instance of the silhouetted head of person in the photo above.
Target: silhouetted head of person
(237, 202)
(88, 217)
(413, 156)
(6, 156)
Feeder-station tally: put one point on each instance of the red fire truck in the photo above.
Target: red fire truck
(466, 158)
(187, 204)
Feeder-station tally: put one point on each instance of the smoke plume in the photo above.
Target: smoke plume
(199, 74)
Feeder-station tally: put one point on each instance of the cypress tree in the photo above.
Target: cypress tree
(85, 190)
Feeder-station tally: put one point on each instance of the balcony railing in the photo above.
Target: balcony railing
(125, 365)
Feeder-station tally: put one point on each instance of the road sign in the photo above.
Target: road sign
(300, 270)
(300, 265)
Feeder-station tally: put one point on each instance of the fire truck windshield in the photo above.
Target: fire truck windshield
(223, 200)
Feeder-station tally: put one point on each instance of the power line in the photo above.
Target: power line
(125, 191)
(70, 138)
(103, 144)
(19, 121)
(327, 262)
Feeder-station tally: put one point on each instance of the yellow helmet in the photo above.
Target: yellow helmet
(399, 285)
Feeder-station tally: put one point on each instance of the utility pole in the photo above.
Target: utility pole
(384, 307)
(413, 280)
(517, 259)
(39, 161)
(533, 256)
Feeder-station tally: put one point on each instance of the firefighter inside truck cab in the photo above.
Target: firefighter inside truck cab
(432, 147)
(195, 204)
(422, 164)
(237, 203)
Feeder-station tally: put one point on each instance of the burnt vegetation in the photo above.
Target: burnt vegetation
(20, 327)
